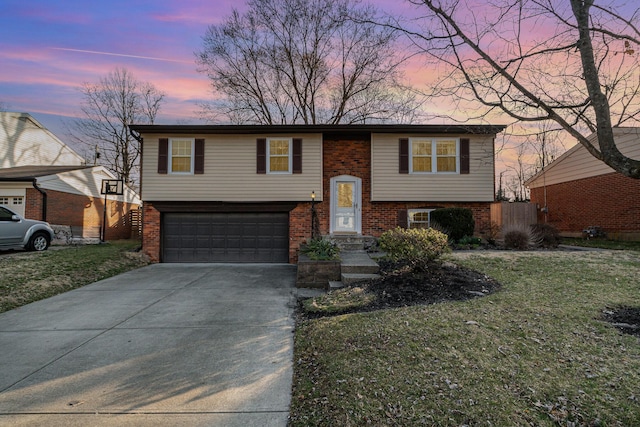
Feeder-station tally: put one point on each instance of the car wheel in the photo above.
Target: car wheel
(38, 242)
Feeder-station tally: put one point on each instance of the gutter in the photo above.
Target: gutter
(44, 198)
(34, 182)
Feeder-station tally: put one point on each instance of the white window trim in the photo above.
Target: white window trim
(170, 156)
(290, 163)
(414, 211)
(434, 156)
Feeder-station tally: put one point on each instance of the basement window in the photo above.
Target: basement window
(419, 218)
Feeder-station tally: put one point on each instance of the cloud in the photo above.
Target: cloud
(93, 52)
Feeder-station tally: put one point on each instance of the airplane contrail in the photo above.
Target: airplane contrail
(119, 54)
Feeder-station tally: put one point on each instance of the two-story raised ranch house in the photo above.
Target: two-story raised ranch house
(244, 193)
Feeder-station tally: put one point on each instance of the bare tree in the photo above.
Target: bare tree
(546, 143)
(573, 63)
(305, 61)
(109, 106)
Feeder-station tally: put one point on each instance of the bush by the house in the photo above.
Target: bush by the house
(520, 237)
(457, 221)
(320, 250)
(491, 233)
(415, 246)
(468, 242)
(548, 235)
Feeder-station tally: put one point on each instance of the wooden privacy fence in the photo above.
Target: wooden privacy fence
(507, 214)
(136, 223)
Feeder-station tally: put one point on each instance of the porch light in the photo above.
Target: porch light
(313, 196)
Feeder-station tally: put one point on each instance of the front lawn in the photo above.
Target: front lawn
(602, 243)
(31, 276)
(537, 352)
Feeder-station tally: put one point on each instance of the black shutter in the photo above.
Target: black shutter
(198, 162)
(403, 219)
(404, 155)
(464, 155)
(163, 154)
(261, 155)
(297, 155)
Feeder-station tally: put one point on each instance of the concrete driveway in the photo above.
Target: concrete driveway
(167, 344)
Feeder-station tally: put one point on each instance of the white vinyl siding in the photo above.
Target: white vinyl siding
(85, 182)
(387, 184)
(577, 163)
(25, 142)
(230, 172)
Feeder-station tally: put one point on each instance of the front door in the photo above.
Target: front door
(345, 204)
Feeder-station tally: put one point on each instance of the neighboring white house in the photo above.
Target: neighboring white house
(25, 142)
(42, 178)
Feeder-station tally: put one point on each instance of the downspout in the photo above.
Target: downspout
(44, 198)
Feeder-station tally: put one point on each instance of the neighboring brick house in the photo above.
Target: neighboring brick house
(577, 191)
(42, 178)
(244, 193)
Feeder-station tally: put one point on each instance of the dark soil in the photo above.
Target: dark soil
(625, 319)
(439, 282)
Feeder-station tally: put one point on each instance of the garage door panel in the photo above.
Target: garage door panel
(225, 237)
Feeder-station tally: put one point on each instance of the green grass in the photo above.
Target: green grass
(602, 243)
(26, 277)
(535, 353)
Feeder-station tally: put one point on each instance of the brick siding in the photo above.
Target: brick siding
(81, 212)
(151, 231)
(609, 201)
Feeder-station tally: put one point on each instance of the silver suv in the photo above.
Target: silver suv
(16, 231)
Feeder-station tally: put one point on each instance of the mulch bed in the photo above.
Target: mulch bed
(439, 282)
(625, 319)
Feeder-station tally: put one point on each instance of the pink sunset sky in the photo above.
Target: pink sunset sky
(48, 49)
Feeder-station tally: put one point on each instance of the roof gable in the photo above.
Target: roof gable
(578, 163)
(25, 142)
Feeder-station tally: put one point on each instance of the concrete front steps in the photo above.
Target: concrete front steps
(355, 265)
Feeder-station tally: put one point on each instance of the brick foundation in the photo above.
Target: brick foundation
(609, 201)
(151, 232)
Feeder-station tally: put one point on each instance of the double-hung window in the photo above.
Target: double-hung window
(437, 155)
(279, 159)
(181, 155)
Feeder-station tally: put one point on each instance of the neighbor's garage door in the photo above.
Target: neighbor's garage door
(225, 237)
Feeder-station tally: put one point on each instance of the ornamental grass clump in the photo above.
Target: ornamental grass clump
(549, 235)
(520, 238)
(416, 246)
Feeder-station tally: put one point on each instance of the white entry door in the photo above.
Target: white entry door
(345, 204)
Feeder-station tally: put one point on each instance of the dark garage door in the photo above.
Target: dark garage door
(225, 237)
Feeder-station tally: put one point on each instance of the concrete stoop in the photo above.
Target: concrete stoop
(355, 265)
(352, 242)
